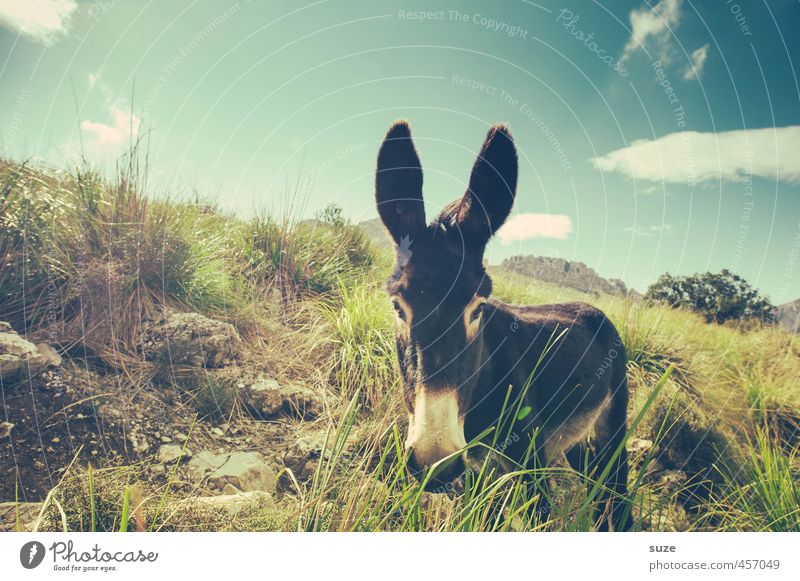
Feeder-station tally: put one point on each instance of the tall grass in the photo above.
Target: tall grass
(86, 260)
(363, 340)
(762, 494)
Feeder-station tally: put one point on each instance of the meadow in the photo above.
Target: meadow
(86, 260)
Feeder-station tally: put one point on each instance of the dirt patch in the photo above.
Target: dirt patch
(53, 423)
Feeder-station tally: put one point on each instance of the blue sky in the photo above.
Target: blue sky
(653, 136)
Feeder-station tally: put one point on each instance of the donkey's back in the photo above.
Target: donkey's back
(570, 362)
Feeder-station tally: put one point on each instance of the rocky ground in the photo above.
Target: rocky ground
(205, 418)
(218, 429)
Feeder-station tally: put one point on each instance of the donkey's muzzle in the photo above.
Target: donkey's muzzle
(440, 477)
(435, 440)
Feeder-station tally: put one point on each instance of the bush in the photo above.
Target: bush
(719, 297)
(306, 258)
(88, 259)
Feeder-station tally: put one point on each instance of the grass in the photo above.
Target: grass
(85, 260)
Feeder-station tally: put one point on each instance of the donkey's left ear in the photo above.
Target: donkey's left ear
(492, 187)
(398, 184)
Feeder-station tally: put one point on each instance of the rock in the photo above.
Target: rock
(303, 455)
(235, 502)
(18, 516)
(5, 429)
(266, 398)
(168, 453)
(789, 316)
(566, 273)
(670, 517)
(18, 356)
(668, 481)
(190, 339)
(230, 489)
(246, 471)
(639, 446)
(157, 470)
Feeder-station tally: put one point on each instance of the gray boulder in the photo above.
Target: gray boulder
(168, 453)
(789, 316)
(18, 356)
(303, 455)
(190, 339)
(267, 399)
(231, 473)
(565, 273)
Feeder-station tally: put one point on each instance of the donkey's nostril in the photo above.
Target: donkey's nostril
(444, 472)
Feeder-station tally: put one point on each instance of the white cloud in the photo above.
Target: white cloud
(124, 126)
(695, 69)
(649, 231)
(42, 20)
(690, 156)
(528, 226)
(652, 22)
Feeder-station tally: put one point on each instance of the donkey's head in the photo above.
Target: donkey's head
(439, 287)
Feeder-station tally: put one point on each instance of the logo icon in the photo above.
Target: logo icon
(31, 554)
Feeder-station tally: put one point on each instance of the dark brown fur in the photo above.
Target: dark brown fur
(572, 351)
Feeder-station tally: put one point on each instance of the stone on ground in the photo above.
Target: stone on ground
(19, 357)
(233, 471)
(190, 339)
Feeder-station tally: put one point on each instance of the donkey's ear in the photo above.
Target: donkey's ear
(398, 184)
(492, 187)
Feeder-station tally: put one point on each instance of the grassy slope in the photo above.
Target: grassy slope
(86, 261)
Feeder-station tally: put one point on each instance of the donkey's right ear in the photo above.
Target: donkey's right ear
(398, 184)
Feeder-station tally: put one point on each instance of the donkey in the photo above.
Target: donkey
(460, 351)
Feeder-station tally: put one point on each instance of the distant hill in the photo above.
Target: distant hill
(376, 231)
(558, 271)
(789, 316)
(567, 273)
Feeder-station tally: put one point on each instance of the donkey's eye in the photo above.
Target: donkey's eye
(399, 310)
(476, 313)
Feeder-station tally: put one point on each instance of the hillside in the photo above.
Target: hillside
(556, 271)
(376, 232)
(789, 316)
(572, 274)
(194, 371)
